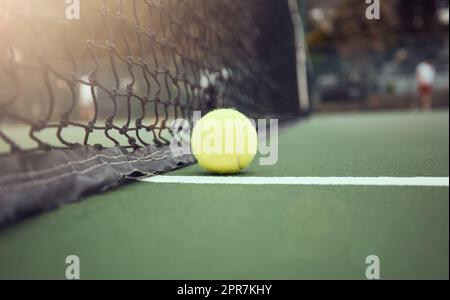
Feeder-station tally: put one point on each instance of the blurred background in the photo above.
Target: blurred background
(61, 78)
(362, 64)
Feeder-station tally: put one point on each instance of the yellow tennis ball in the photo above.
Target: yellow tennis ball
(224, 141)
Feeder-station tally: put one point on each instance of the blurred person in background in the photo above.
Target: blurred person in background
(86, 91)
(425, 74)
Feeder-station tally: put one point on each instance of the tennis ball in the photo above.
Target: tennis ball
(224, 141)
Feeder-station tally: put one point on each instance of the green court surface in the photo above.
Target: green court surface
(193, 231)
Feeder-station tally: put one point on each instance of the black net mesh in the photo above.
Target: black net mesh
(126, 68)
(86, 104)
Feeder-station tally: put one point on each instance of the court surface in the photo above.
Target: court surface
(264, 231)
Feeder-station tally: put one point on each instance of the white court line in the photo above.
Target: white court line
(362, 181)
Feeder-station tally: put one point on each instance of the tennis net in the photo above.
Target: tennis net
(87, 97)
